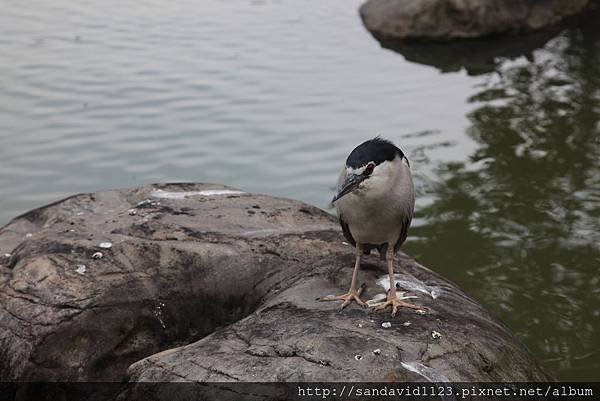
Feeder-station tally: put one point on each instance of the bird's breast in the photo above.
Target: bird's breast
(372, 221)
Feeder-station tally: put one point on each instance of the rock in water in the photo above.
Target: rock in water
(233, 278)
(442, 20)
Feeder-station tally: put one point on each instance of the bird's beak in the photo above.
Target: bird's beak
(350, 184)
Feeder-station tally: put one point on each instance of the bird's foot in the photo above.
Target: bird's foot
(396, 303)
(352, 295)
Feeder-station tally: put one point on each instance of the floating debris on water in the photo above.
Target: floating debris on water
(386, 325)
(105, 245)
(358, 357)
(97, 255)
(435, 334)
(377, 351)
(81, 269)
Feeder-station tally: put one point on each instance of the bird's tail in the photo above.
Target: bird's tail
(382, 249)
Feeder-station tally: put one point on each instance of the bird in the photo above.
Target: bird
(375, 201)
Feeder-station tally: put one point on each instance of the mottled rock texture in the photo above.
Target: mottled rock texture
(209, 285)
(442, 20)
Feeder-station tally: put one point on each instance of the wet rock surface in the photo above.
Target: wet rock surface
(210, 284)
(443, 20)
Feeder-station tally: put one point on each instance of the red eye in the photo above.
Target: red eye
(369, 169)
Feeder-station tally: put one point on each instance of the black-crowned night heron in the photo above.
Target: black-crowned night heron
(375, 201)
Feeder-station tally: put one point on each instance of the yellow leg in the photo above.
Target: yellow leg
(391, 297)
(354, 293)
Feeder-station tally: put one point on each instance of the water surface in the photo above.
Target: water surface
(270, 96)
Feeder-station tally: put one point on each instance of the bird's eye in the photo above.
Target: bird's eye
(369, 169)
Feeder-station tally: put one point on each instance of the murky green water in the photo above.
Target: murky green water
(518, 221)
(270, 96)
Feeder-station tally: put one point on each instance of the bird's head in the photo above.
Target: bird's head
(371, 166)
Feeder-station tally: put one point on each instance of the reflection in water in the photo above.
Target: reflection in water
(519, 224)
(476, 56)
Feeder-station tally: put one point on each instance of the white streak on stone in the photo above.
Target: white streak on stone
(380, 299)
(427, 372)
(159, 193)
(159, 314)
(409, 283)
(377, 299)
(285, 230)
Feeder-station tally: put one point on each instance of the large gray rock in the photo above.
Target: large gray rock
(232, 279)
(441, 20)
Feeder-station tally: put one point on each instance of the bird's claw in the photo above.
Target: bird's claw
(352, 295)
(396, 303)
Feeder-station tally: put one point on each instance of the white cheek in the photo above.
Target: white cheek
(356, 171)
(381, 178)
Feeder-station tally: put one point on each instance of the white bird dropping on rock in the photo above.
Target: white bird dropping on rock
(386, 325)
(105, 245)
(81, 269)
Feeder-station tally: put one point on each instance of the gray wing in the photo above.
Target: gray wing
(403, 232)
(346, 231)
(407, 217)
